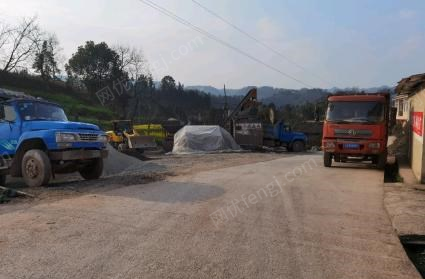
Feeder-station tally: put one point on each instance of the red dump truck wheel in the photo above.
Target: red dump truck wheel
(382, 161)
(327, 159)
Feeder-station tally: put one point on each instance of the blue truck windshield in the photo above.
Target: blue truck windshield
(355, 112)
(32, 111)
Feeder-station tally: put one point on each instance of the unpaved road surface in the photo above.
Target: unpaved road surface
(122, 170)
(286, 218)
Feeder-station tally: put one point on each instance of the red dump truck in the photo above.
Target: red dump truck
(356, 128)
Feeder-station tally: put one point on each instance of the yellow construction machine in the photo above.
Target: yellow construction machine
(124, 137)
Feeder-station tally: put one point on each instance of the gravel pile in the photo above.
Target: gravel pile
(119, 163)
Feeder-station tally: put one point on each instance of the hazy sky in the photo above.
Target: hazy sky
(346, 43)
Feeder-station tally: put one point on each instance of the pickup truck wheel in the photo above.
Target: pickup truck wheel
(327, 159)
(298, 146)
(36, 168)
(3, 180)
(93, 171)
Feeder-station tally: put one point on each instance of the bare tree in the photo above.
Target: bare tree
(20, 44)
(5, 31)
(132, 61)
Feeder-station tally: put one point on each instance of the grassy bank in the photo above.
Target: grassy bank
(75, 107)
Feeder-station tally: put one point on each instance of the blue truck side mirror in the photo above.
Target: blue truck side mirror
(2, 114)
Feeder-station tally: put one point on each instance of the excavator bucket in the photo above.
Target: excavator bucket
(141, 142)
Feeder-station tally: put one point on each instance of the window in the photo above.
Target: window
(355, 112)
(36, 111)
(7, 113)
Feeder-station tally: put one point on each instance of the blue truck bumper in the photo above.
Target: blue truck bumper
(81, 154)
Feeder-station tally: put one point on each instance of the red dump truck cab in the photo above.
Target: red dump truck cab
(356, 128)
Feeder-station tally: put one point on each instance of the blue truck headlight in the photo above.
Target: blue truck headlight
(102, 138)
(66, 137)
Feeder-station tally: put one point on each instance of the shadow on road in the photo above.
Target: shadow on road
(367, 166)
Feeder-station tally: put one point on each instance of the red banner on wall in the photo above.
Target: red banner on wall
(417, 123)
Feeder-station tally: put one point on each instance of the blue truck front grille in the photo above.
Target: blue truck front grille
(88, 137)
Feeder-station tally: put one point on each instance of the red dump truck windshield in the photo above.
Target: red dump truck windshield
(355, 112)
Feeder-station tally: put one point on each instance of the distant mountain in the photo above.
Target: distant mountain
(281, 96)
(219, 92)
(367, 90)
(267, 94)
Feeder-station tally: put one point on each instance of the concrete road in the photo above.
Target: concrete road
(288, 218)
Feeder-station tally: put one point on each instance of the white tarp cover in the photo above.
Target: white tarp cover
(202, 139)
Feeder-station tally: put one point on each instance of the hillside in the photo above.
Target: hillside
(267, 94)
(77, 105)
(281, 97)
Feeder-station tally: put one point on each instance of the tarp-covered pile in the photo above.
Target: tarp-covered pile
(203, 139)
(6, 94)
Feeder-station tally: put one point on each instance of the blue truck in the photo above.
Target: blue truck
(280, 134)
(37, 141)
(254, 126)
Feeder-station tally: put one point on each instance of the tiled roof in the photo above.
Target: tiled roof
(411, 85)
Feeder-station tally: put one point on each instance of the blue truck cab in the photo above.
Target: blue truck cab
(280, 134)
(37, 141)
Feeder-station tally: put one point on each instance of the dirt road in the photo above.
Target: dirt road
(287, 218)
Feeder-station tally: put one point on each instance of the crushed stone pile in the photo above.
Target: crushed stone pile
(120, 163)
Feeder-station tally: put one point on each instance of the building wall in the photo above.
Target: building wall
(417, 104)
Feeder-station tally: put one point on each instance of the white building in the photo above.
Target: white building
(410, 102)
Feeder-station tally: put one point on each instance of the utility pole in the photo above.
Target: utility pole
(226, 107)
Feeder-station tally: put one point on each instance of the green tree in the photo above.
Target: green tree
(96, 65)
(45, 63)
(180, 87)
(168, 84)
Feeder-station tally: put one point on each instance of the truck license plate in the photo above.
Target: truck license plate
(351, 146)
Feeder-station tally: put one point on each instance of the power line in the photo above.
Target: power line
(213, 37)
(258, 41)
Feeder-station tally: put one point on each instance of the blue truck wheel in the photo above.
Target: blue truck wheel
(298, 146)
(92, 171)
(36, 168)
